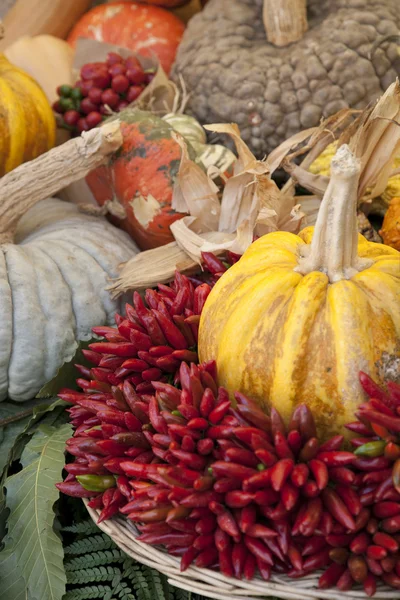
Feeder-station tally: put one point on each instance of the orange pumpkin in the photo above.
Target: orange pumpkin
(141, 177)
(147, 30)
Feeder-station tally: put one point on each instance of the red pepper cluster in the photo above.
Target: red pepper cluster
(224, 486)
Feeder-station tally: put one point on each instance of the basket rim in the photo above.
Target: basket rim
(217, 586)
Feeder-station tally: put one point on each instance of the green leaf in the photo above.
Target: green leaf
(14, 418)
(31, 493)
(67, 374)
(14, 442)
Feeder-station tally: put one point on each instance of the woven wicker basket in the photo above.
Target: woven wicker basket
(214, 585)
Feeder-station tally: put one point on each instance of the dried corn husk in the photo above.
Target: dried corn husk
(251, 202)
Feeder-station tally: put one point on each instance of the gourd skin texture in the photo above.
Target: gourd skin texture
(141, 176)
(27, 124)
(234, 75)
(52, 291)
(286, 339)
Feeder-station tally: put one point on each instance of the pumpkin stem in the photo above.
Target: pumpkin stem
(285, 20)
(334, 246)
(38, 179)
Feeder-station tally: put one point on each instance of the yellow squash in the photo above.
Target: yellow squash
(390, 231)
(27, 124)
(298, 317)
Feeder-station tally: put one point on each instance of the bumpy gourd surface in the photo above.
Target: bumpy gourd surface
(52, 291)
(285, 339)
(233, 74)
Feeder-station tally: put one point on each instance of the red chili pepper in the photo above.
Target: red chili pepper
(331, 576)
(350, 498)
(97, 502)
(370, 585)
(320, 472)
(203, 541)
(123, 349)
(308, 518)
(74, 489)
(259, 550)
(392, 579)
(232, 470)
(309, 450)
(205, 447)
(281, 446)
(336, 458)
(392, 423)
(203, 483)
(313, 545)
(188, 558)
(179, 512)
(386, 541)
(238, 499)
(227, 484)
(190, 459)
(294, 440)
(391, 525)
(170, 331)
(184, 525)
(338, 509)
(248, 517)
(289, 496)
(280, 472)
(206, 525)
(316, 561)
(200, 499)
(360, 543)
(254, 416)
(257, 481)
(213, 264)
(299, 475)
(206, 558)
(381, 490)
(266, 457)
(362, 519)
(260, 531)
(249, 567)
(342, 475)
(372, 389)
(376, 552)
(383, 510)
(92, 357)
(239, 555)
(394, 391)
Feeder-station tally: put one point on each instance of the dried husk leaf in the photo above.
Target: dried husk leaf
(158, 265)
(194, 191)
(251, 205)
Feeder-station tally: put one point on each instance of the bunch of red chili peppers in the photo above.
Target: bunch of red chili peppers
(222, 486)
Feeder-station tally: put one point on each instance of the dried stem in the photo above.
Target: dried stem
(26, 185)
(333, 249)
(285, 21)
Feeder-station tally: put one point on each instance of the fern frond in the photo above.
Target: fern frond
(93, 575)
(95, 559)
(85, 527)
(138, 580)
(90, 544)
(89, 592)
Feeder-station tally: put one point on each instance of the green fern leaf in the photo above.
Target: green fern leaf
(138, 580)
(88, 592)
(85, 527)
(92, 575)
(91, 544)
(95, 559)
(31, 494)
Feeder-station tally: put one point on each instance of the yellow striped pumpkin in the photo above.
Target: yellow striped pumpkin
(27, 124)
(298, 317)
